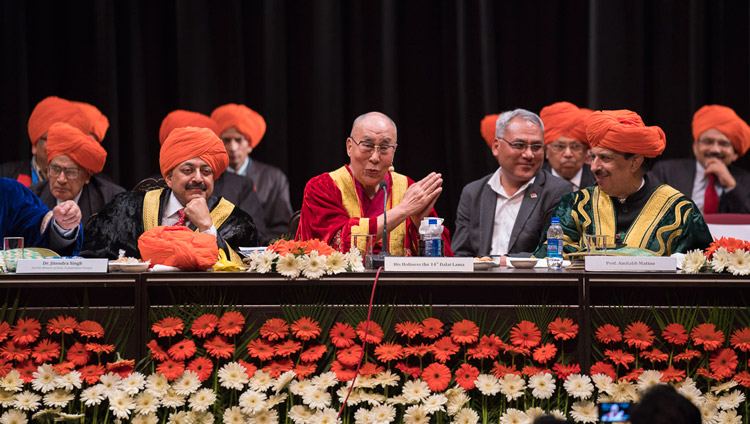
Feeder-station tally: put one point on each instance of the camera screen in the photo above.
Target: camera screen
(614, 412)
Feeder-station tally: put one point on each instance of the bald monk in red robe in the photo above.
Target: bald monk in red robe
(350, 200)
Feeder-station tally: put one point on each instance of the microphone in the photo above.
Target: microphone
(384, 187)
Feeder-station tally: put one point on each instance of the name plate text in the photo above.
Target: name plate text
(426, 264)
(630, 263)
(42, 266)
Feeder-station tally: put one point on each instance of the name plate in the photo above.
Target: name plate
(426, 264)
(49, 266)
(630, 263)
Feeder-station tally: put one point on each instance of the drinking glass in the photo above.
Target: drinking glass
(365, 243)
(12, 251)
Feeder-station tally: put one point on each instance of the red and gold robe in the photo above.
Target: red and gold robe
(335, 206)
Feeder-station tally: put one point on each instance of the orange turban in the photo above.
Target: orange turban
(624, 131)
(247, 121)
(725, 120)
(487, 127)
(191, 142)
(179, 246)
(184, 118)
(98, 123)
(564, 119)
(51, 110)
(63, 139)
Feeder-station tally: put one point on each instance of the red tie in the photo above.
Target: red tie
(181, 213)
(711, 198)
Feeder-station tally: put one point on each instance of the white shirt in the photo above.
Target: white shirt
(576, 180)
(75, 199)
(700, 184)
(506, 211)
(243, 169)
(171, 216)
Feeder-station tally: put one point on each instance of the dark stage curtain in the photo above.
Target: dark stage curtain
(310, 67)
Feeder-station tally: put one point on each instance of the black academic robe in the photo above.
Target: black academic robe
(94, 195)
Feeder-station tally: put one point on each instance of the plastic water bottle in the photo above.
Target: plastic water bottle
(431, 240)
(555, 245)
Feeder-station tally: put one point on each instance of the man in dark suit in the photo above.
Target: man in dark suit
(711, 180)
(505, 212)
(565, 144)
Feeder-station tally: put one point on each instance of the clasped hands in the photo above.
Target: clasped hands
(420, 197)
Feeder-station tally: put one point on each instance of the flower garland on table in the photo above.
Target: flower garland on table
(311, 259)
(724, 254)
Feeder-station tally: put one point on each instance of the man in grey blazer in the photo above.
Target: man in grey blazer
(505, 212)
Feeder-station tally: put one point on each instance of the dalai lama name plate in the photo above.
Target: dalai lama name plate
(49, 265)
(426, 264)
(630, 263)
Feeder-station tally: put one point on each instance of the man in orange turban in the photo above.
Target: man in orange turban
(715, 184)
(241, 129)
(565, 143)
(190, 159)
(98, 123)
(625, 206)
(73, 160)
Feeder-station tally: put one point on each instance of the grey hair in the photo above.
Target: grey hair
(504, 119)
(364, 116)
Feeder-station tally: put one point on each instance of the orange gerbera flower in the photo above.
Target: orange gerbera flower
(655, 355)
(409, 329)
(620, 357)
(563, 329)
(419, 350)
(414, 372)
(350, 356)
(218, 347)
(529, 370)
(231, 323)
(91, 373)
(444, 348)
(171, 369)
(672, 374)
(304, 369)
(100, 348)
(45, 351)
(13, 352)
(466, 376)
(632, 375)
(368, 369)
(500, 370)
(437, 376)
(168, 327)
(465, 331)
(276, 368)
(201, 366)
(687, 355)
(249, 368)
(708, 336)
(90, 329)
(64, 367)
(204, 325)
(563, 371)
(675, 333)
(487, 348)
(370, 332)
(274, 329)
(342, 335)
(25, 331)
(724, 363)
(604, 368)
(182, 350)
(122, 368)
(544, 353)
(639, 335)
(313, 353)
(78, 354)
(742, 378)
(260, 349)
(608, 333)
(315, 244)
(305, 328)
(432, 328)
(389, 351)
(27, 370)
(61, 325)
(157, 352)
(741, 339)
(343, 373)
(525, 334)
(4, 330)
(287, 348)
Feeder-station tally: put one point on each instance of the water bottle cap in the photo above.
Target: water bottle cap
(432, 221)
(555, 220)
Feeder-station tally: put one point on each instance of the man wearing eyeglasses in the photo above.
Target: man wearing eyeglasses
(504, 212)
(565, 143)
(350, 200)
(711, 179)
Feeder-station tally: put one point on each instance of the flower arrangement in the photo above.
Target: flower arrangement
(311, 259)
(724, 254)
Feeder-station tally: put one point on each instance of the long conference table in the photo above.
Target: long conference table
(127, 300)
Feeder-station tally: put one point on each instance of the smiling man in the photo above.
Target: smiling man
(565, 143)
(350, 200)
(190, 160)
(625, 206)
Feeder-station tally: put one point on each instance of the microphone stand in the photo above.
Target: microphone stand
(379, 259)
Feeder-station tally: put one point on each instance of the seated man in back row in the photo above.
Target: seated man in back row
(625, 206)
(350, 200)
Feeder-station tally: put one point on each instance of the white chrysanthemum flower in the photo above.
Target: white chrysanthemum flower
(326, 416)
(263, 262)
(133, 383)
(120, 403)
(603, 397)
(145, 419)
(283, 381)
(252, 402)
(435, 403)
(394, 400)
(261, 381)
(383, 414)
(336, 263)
(729, 417)
(720, 259)
(579, 386)
(535, 412)
(202, 399)
(387, 379)
(354, 260)
(13, 416)
(739, 262)
(69, 381)
(298, 387)
(233, 415)
(93, 395)
(512, 386)
(44, 378)
(268, 416)
(111, 383)
(251, 260)
(731, 400)
(365, 382)
(325, 380)
(624, 391)
(372, 398)
(181, 417)
(693, 262)
(157, 384)
(7, 398)
(233, 376)
(316, 398)
(603, 382)
(456, 402)
(12, 381)
(514, 416)
(27, 401)
(649, 379)
(709, 411)
(416, 414)
(276, 399)
(560, 415)
(362, 416)
(584, 412)
(691, 393)
(172, 399)
(46, 415)
(201, 417)
(487, 384)
(58, 398)
(289, 265)
(313, 266)
(187, 383)
(466, 416)
(454, 391)
(542, 385)
(730, 384)
(300, 414)
(415, 391)
(355, 397)
(146, 403)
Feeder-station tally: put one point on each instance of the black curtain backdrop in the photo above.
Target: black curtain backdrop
(436, 67)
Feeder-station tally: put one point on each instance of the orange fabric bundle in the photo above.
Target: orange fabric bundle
(564, 119)
(63, 139)
(190, 142)
(247, 121)
(184, 118)
(725, 120)
(55, 109)
(178, 246)
(624, 131)
(487, 127)
(98, 123)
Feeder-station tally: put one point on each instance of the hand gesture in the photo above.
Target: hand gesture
(421, 196)
(719, 169)
(67, 215)
(196, 211)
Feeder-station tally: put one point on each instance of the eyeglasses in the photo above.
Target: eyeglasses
(574, 147)
(367, 147)
(520, 146)
(70, 173)
(723, 144)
